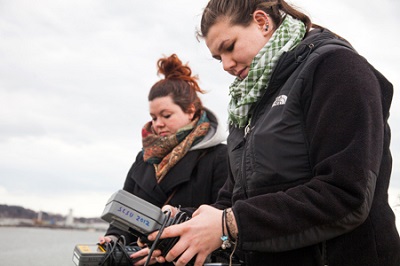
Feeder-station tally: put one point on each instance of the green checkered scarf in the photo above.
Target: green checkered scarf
(245, 93)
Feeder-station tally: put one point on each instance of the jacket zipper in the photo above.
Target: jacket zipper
(243, 172)
(247, 130)
(324, 253)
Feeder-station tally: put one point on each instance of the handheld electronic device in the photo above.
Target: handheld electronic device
(95, 254)
(140, 218)
(133, 214)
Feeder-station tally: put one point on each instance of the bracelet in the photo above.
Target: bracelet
(225, 239)
(232, 231)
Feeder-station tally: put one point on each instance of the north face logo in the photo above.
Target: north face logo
(280, 100)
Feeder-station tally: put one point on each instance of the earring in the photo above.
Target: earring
(266, 27)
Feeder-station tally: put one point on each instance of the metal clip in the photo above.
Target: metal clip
(247, 130)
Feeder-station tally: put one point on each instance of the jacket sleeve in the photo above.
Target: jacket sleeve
(129, 182)
(344, 127)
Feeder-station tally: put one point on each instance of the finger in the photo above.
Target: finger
(140, 253)
(176, 250)
(101, 240)
(160, 259)
(156, 253)
(104, 239)
(198, 211)
(142, 256)
(185, 258)
(140, 243)
(189, 254)
(152, 236)
(171, 209)
(140, 260)
(195, 213)
(170, 231)
(144, 260)
(200, 259)
(166, 208)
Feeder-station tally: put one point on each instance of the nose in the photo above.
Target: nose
(228, 63)
(158, 123)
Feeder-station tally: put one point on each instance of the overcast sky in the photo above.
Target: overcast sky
(74, 78)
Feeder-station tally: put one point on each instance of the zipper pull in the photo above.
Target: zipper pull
(247, 130)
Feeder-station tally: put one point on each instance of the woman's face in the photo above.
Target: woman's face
(168, 117)
(236, 46)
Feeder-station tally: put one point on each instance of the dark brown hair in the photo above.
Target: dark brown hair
(239, 12)
(178, 83)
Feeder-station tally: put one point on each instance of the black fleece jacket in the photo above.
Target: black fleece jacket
(308, 183)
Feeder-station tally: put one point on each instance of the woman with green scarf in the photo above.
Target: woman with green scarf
(308, 146)
(183, 161)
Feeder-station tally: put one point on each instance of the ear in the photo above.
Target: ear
(261, 18)
(191, 111)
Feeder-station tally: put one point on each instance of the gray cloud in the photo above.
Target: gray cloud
(74, 78)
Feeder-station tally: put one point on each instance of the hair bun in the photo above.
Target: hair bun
(173, 68)
(179, 84)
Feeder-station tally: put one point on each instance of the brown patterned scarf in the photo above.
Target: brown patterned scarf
(165, 151)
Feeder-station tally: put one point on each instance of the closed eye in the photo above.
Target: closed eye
(217, 58)
(230, 47)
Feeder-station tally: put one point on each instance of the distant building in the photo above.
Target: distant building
(69, 220)
(40, 217)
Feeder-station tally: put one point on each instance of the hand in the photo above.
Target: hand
(170, 208)
(142, 256)
(198, 236)
(105, 239)
(140, 243)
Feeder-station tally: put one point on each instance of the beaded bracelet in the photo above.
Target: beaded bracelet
(225, 239)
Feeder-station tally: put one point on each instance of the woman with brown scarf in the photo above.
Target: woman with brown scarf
(183, 161)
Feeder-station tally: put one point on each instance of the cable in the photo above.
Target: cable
(155, 243)
(110, 247)
(116, 253)
(166, 244)
(112, 257)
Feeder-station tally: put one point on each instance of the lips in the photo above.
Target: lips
(242, 73)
